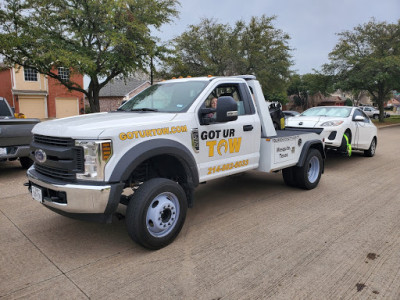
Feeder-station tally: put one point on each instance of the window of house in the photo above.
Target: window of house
(30, 74)
(63, 73)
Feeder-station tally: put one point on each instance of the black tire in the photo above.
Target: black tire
(372, 149)
(308, 176)
(25, 162)
(151, 213)
(376, 117)
(289, 176)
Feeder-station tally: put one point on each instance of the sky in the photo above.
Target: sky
(311, 24)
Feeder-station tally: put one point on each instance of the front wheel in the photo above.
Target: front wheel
(372, 149)
(308, 176)
(156, 213)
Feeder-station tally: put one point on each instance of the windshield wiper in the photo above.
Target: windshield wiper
(143, 109)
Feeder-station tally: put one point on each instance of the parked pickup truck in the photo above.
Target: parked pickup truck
(152, 152)
(372, 112)
(15, 135)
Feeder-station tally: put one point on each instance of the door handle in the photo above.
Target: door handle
(247, 127)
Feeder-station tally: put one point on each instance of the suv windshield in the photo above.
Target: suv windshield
(166, 97)
(323, 111)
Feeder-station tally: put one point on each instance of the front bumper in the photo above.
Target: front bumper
(333, 138)
(15, 152)
(81, 201)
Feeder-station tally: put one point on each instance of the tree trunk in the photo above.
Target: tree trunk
(380, 100)
(93, 97)
(151, 70)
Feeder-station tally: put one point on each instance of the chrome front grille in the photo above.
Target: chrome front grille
(64, 159)
(53, 141)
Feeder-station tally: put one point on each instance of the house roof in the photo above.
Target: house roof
(120, 87)
(393, 102)
(333, 99)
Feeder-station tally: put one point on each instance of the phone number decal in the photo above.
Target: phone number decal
(226, 167)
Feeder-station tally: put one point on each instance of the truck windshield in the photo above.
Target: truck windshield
(4, 110)
(166, 97)
(324, 111)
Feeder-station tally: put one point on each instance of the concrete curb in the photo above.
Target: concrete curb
(386, 126)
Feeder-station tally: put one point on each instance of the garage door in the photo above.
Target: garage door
(32, 107)
(67, 107)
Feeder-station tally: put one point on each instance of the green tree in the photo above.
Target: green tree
(256, 48)
(368, 58)
(101, 39)
(302, 87)
(202, 50)
(348, 102)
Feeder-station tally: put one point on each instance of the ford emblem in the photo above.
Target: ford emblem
(40, 156)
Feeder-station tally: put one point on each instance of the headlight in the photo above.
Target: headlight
(332, 123)
(97, 154)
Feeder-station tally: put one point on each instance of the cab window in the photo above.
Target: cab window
(232, 90)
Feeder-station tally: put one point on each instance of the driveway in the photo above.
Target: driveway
(248, 237)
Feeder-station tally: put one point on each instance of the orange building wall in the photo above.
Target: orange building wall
(6, 85)
(56, 89)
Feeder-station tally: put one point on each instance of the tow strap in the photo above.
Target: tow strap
(348, 145)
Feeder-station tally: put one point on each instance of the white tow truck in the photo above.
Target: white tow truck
(158, 146)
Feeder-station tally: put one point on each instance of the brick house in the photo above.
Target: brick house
(332, 100)
(118, 90)
(39, 96)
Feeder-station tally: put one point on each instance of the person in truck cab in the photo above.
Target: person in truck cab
(213, 105)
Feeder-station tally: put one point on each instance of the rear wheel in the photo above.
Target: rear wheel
(308, 176)
(156, 213)
(372, 149)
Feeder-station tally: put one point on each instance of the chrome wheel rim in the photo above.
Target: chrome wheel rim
(162, 214)
(313, 169)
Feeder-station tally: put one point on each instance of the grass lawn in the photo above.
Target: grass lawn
(394, 119)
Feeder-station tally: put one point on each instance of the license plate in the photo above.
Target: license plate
(37, 193)
(3, 151)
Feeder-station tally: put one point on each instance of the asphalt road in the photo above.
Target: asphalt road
(248, 237)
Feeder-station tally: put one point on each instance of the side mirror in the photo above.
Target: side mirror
(227, 109)
(359, 119)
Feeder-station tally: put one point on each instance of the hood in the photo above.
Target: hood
(92, 125)
(308, 121)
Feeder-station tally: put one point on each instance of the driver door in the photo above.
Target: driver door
(364, 130)
(229, 147)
